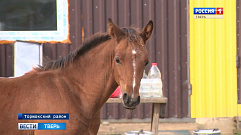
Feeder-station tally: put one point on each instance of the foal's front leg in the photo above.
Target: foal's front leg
(94, 124)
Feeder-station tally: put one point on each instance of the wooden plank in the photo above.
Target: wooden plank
(158, 109)
(143, 100)
(155, 118)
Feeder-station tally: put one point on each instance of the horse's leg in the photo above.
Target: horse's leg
(94, 124)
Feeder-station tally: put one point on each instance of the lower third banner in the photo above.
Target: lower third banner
(41, 126)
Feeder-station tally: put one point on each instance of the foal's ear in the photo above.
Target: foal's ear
(115, 31)
(147, 31)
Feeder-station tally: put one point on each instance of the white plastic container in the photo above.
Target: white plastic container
(139, 133)
(144, 76)
(207, 132)
(154, 72)
(145, 87)
(154, 75)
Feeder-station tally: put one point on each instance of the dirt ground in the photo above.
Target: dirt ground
(164, 128)
(225, 125)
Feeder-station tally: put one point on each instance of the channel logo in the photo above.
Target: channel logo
(208, 13)
(41, 126)
(27, 126)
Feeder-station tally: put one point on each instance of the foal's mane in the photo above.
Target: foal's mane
(89, 44)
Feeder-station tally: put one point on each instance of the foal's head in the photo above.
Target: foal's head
(130, 60)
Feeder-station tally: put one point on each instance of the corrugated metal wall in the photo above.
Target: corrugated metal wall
(238, 24)
(213, 72)
(238, 57)
(6, 60)
(167, 46)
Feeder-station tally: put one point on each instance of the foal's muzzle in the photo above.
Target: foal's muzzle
(130, 103)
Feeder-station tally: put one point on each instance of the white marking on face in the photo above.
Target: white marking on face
(134, 71)
(133, 51)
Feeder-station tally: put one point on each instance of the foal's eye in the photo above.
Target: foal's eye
(117, 59)
(146, 62)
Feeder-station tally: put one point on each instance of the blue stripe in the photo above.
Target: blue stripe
(204, 10)
(20, 116)
(43, 116)
(51, 126)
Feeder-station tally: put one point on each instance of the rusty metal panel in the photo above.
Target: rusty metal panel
(238, 25)
(6, 60)
(75, 23)
(9, 60)
(177, 59)
(184, 61)
(2, 60)
(167, 46)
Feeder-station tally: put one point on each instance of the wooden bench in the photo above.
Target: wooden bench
(158, 109)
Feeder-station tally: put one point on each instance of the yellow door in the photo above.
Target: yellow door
(213, 72)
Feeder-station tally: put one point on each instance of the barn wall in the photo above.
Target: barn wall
(238, 34)
(167, 46)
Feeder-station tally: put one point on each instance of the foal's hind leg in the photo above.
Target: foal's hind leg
(94, 124)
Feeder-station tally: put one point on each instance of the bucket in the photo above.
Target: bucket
(207, 132)
(141, 132)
